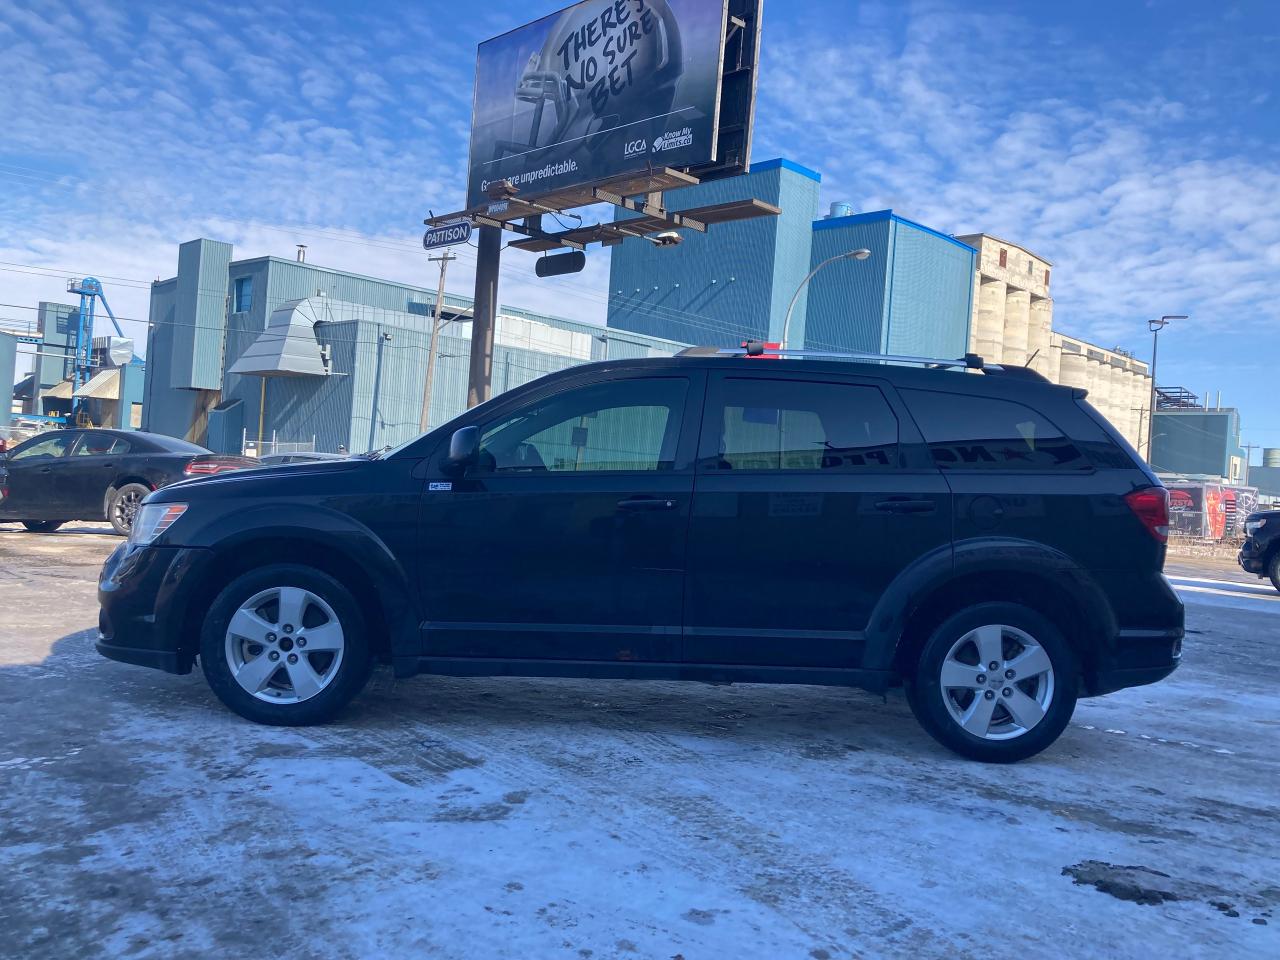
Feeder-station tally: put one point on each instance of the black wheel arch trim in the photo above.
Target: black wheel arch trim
(332, 532)
(994, 555)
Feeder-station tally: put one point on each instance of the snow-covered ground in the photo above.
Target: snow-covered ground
(549, 818)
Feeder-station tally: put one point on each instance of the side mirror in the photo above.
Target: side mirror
(464, 449)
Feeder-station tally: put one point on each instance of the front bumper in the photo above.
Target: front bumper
(142, 599)
(1251, 558)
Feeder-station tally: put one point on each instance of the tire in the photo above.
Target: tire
(122, 506)
(1273, 569)
(42, 526)
(1045, 700)
(248, 611)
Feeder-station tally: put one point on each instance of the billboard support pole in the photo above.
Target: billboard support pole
(480, 378)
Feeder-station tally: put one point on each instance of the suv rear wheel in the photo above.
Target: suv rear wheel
(285, 645)
(996, 682)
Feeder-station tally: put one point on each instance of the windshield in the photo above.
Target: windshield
(405, 445)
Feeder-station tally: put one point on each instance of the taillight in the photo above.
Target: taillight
(206, 468)
(1151, 506)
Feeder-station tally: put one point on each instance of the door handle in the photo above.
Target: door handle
(899, 505)
(646, 503)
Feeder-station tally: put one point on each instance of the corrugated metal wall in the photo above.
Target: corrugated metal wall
(847, 309)
(8, 374)
(913, 295)
(726, 285)
(793, 250)
(930, 304)
(55, 325)
(200, 319)
(165, 409)
(133, 385)
(299, 408)
(243, 328)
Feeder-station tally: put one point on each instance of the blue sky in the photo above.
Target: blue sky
(1134, 144)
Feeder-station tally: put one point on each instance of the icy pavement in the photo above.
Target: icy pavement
(548, 818)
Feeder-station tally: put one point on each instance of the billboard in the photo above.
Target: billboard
(602, 88)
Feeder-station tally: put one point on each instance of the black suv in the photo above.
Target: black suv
(987, 541)
(1260, 553)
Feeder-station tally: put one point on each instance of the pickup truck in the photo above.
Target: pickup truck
(1261, 551)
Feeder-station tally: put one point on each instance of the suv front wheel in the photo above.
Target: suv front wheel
(285, 645)
(996, 682)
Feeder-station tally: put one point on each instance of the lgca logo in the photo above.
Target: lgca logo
(635, 147)
(673, 140)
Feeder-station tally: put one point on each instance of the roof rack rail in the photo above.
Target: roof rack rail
(970, 361)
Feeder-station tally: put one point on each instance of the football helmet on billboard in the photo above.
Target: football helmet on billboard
(607, 71)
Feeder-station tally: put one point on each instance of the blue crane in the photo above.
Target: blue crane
(90, 291)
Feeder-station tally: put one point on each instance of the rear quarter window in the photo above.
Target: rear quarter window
(982, 433)
(797, 425)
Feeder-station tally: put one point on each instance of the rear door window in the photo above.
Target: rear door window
(982, 433)
(797, 425)
(100, 445)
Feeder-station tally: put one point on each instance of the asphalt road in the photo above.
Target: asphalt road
(547, 818)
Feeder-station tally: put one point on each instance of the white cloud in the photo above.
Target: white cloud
(954, 128)
(1122, 174)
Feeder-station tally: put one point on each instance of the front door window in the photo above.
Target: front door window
(628, 426)
(54, 446)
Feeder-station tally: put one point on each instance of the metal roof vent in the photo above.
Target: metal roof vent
(841, 208)
(287, 347)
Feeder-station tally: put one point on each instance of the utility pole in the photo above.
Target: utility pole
(1248, 449)
(444, 260)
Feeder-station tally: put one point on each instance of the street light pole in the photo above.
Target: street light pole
(848, 255)
(1155, 326)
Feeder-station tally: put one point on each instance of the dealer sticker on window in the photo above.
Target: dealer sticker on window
(441, 487)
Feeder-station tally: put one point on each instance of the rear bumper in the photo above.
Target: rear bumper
(1148, 647)
(1139, 657)
(142, 594)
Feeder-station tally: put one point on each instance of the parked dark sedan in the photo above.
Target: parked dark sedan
(97, 474)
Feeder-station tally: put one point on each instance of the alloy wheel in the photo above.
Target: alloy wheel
(997, 682)
(285, 645)
(126, 508)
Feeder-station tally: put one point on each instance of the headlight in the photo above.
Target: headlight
(1253, 526)
(154, 519)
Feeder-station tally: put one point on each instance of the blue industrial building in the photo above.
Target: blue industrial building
(276, 354)
(1200, 442)
(914, 294)
(112, 395)
(733, 282)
